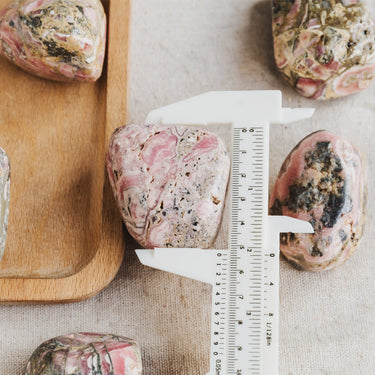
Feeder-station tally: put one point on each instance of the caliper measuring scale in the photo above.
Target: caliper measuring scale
(245, 277)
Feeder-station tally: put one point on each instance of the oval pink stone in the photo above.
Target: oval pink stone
(86, 354)
(325, 49)
(169, 183)
(322, 181)
(55, 39)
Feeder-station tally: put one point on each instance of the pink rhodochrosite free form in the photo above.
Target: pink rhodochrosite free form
(322, 181)
(62, 40)
(325, 49)
(169, 183)
(86, 354)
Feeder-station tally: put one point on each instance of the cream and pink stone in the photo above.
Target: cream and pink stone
(324, 49)
(55, 39)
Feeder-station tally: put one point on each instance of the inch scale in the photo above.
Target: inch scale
(245, 277)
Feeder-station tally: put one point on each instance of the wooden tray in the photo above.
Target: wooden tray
(65, 240)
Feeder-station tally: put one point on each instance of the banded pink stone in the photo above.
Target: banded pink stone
(61, 40)
(169, 183)
(86, 354)
(324, 49)
(322, 181)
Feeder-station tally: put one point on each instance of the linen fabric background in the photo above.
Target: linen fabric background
(327, 326)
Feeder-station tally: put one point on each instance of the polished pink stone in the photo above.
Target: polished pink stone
(322, 181)
(86, 354)
(62, 40)
(325, 49)
(169, 183)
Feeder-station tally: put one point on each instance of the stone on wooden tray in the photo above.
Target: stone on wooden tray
(169, 183)
(4, 198)
(86, 354)
(323, 181)
(62, 40)
(325, 49)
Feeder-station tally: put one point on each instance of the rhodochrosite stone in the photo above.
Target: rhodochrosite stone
(326, 48)
(62, 40)
(169, 183)
(86, 354)
(322, 181)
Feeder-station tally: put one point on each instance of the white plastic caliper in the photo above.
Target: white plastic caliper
(245, 278)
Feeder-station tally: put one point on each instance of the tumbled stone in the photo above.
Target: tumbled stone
(169, 183)
(86, 354)
(4, 198)
(62, 40)
(325, 49)
(322, 181)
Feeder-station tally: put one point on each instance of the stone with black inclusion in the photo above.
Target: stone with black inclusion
(59, 40)
(322, 181)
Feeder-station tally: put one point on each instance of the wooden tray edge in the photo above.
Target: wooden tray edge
(104, 266)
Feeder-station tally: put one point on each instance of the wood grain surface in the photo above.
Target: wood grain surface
(65, 239)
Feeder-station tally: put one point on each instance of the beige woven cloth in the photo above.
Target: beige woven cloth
(180, 49)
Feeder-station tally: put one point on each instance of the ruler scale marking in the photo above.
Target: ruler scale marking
(242, 139)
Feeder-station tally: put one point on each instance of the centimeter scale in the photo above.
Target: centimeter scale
(245, 277)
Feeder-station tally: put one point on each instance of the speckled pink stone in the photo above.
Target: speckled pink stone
(169, 183)
(323, 181)
(61, 40)
(86, 354)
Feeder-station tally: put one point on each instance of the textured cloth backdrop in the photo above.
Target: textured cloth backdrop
(179, 49)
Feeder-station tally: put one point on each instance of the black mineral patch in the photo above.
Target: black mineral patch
(276, 208)
(323, 158)
(315, 252)
(36, 21)
(303, 197)
(54, 50)
(333, 209)
(329, 190)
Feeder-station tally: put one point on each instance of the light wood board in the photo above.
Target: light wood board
(65, 240)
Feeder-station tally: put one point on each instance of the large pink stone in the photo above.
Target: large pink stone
(322, 181)
(86, 354)
(169, 183)
(325, 49)
(62, 40)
